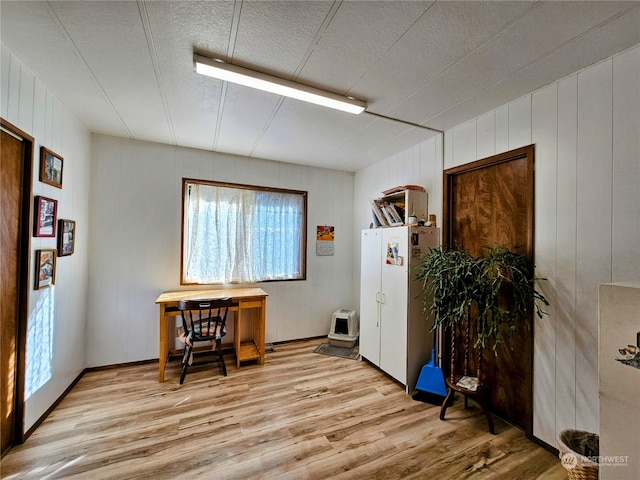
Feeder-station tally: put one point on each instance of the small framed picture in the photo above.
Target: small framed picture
(50, 167)
(66, 237)
(46, 268)
(44, 224)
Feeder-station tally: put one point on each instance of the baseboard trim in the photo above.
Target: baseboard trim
(545, 445)
(119, 365)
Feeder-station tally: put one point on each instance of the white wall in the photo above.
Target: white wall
(57, 314)
(135, 243)
(586, 131)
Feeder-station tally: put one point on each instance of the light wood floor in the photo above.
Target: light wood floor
(300, 416)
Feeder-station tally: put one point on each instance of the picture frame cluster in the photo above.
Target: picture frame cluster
(46, 223)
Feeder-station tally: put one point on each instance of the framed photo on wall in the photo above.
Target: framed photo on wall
(66, 237)
(44, 223)
(46, 268)
(50, 167)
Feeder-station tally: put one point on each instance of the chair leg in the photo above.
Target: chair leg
(185, 362)
(222, 364)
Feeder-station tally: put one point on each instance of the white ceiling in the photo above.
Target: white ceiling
(126, 68)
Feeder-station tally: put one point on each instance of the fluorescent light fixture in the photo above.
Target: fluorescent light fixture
(250, 78)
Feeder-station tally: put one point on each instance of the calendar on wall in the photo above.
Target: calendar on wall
(325, 240)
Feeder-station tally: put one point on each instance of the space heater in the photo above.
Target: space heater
(344, 328)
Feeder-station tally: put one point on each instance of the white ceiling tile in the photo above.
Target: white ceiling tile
(274, 36)
(525, 41)
(246, 114)
(126, 68)
(356, 39)
(111, 40)
(193, 100)
(445, 34)
(585, 50)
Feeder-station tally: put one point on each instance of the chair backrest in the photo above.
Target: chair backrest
(205, 319)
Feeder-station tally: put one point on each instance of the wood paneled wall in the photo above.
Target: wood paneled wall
(135, 249)
(56, 326)
(585, 128)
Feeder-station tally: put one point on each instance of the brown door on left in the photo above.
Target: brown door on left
(15, 168)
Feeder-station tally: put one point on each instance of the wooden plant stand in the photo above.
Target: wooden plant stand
(480, 394)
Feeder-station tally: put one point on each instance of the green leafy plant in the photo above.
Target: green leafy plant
(498, 288)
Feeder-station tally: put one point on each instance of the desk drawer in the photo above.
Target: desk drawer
(251, 304)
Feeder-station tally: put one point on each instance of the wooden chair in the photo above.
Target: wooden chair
(455, 382)
(203, 321)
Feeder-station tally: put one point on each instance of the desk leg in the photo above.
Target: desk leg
(237, 326)
(164, 347)
(259, 335)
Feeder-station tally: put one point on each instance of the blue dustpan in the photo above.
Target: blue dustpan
(431, 378)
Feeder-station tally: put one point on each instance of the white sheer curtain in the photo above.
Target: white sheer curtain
(236, 235)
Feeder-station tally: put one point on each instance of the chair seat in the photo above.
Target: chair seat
(197, 336)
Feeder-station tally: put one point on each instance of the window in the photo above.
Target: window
(242, 234)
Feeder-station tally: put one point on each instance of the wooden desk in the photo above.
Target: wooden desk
(246, 298)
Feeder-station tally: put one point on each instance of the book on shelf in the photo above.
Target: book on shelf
(396, 219)
(378, 215)
(399, 210)
(376, 223)
(390, 216)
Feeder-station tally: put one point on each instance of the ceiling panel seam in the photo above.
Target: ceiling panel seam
(318, 36)
(374, 120)
(400, 37)
(233, 35)
(305, 58)
(74, 47)
(146, 26)
(540, 58)
(233, 32)
(462, 58)
(266, 126)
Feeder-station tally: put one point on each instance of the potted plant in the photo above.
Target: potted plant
(480, 298)
(498, 287)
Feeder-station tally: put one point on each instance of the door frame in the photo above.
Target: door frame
(526, 153)
(24, 268)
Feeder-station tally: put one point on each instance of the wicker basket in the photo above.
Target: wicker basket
(578, 466)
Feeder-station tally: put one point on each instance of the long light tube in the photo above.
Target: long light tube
(250, 78)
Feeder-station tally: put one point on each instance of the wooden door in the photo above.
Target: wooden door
(15, 194)
(491, 202)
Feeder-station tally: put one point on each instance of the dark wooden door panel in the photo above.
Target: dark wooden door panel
(10, 191)
(488, 209)
(16, 166)
(491, 202)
